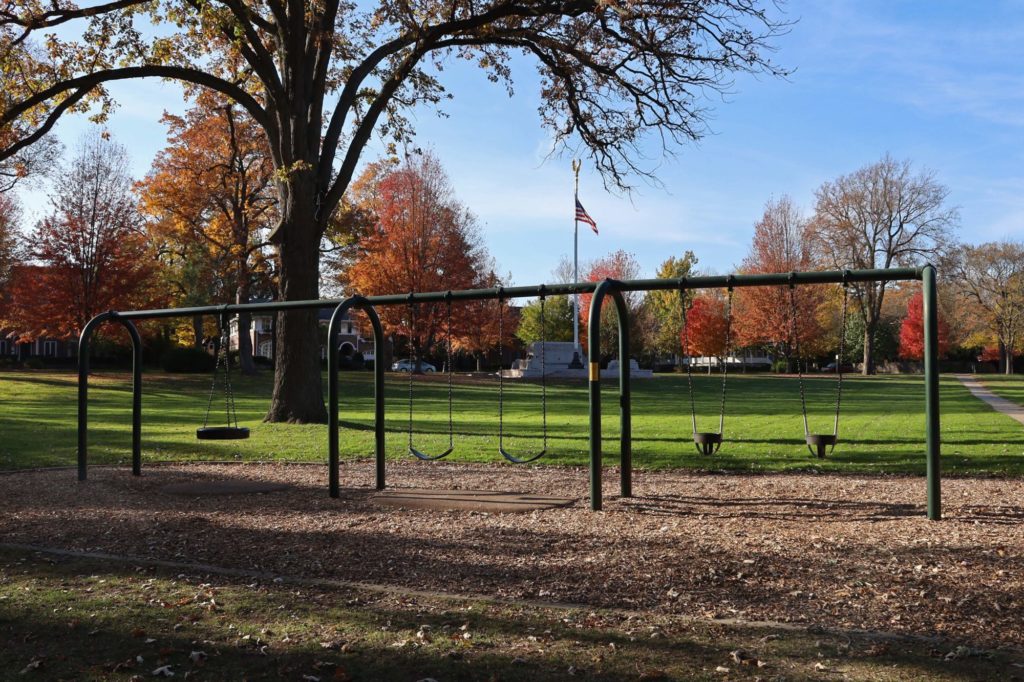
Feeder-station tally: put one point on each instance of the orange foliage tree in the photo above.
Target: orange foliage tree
(706, 327)
(90, 256)
(211, 200)
(912, 331)
(763, 315)
(421, 239)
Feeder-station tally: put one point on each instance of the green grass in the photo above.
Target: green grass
(1010, 387)
(882, 427)
(85, 619)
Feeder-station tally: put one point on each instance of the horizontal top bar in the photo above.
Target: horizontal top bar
(708, 282)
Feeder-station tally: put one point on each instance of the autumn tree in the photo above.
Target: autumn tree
(10, 219)
(912, 331)
(557, 320)
(764, 316)
(665, 307)
(423, 239)
(616, 265)
(881, 216)
(89, 252)
(212, 190)
(322, 78)
(707, 326)
(990, 278)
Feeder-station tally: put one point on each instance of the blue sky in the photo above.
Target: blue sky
(939, 82)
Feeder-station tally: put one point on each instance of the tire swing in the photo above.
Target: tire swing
(231, 430)
(543, 385)
(817, 443)
(415, 357)
(707, 442)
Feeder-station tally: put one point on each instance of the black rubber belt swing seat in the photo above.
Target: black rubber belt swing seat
(414, 359)
(543, 384)
(231, 430)
(820, 444)
(706, 442)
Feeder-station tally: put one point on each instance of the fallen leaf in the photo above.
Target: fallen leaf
(35, 664)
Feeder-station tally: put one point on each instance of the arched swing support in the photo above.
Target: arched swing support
(83, 391)
(612, 288)
(333, 353)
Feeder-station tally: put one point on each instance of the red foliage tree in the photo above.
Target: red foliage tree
(616, 265)
(763, 315)
(706, 327)
(912, 331)
(421, 238)
(89, 254)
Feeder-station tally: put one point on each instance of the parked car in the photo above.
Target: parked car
(409, 366)
(831, 367)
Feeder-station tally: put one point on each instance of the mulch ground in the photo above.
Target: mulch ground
(833, 551)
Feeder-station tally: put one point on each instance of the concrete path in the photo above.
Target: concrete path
(978, 390)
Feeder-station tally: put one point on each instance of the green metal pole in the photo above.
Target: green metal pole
(625, 412)
(83, 391)
(931, 387)
(378, 394)
(136, 397)
(594, 385)
(333, 458)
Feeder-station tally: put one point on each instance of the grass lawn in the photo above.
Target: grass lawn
(882, 427)
(1010, 387)
(85, 619)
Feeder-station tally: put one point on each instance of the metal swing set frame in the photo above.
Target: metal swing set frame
(599, 290)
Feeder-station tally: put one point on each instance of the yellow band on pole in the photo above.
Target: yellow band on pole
(595, 371)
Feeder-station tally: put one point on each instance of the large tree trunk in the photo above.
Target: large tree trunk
(298, 393)
(245, 361)
(197, 330)
(869, 348)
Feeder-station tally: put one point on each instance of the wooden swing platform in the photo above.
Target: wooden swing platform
(467, 500)
(223, 487)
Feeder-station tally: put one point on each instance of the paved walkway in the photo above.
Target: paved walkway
(978, 390)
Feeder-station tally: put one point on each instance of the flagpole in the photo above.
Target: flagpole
(575, 271)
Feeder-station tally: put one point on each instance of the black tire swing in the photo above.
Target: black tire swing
(707, 442)
(818, 443)
(231, 430)
(543, 384)
(415, 357)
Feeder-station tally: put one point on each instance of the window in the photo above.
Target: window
(4, 350)
(50, 349)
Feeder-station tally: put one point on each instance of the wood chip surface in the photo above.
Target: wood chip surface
(833, 551)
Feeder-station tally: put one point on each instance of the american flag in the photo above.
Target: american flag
(584, 217)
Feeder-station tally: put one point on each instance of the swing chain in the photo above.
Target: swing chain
(543, 369)
(451, 431)
(728, 345)
(501, 392)
(795, 345)
(223, 359)
(686, 350)
(842, 351)
(413, 357)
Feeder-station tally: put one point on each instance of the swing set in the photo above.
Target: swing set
(707, 443)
